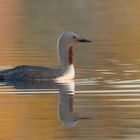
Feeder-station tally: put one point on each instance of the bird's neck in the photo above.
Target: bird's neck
(65, 57)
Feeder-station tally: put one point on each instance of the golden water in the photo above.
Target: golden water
(103, 103)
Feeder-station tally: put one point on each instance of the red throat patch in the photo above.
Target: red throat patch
(70, 53)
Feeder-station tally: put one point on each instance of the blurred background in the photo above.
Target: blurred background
(29, 30)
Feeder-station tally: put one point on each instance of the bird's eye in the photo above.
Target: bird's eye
(74, 37)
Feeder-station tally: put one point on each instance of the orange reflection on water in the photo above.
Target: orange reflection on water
(9, 26)
(28, 117)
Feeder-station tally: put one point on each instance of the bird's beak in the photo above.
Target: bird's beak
(84, 40)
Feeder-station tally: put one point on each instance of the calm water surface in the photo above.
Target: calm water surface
(103, 103)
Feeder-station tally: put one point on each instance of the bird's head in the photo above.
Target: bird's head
(70, 39)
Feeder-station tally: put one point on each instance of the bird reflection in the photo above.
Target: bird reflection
(66, 113)
(65, 109)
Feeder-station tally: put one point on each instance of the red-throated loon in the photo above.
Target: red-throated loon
(65, 71)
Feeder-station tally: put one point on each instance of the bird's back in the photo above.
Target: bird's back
(29, 73)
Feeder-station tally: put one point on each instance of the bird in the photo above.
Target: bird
(65, 70)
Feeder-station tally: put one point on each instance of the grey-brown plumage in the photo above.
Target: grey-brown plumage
(30, 73)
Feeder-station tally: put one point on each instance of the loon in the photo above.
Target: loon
(65, 70)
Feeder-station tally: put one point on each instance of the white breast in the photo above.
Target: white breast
(69, 74)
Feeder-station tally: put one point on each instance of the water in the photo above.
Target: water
(103, 103)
